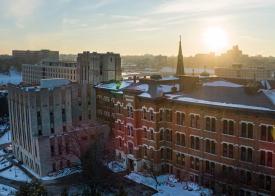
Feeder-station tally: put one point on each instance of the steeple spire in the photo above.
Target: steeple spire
(180, 65)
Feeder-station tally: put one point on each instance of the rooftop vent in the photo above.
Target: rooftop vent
(156, 77)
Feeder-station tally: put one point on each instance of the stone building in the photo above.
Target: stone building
(238, 71)
(51, 124)
(95, 67)
(33, 73)
(33, 57)
(216, 132)
(211, 133)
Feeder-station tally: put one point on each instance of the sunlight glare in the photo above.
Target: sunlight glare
(215, 39)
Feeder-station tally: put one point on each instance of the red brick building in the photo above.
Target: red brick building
(217, 133)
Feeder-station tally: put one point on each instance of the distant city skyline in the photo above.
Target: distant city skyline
(138, 27)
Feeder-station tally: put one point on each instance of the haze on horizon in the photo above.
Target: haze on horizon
(138, 27)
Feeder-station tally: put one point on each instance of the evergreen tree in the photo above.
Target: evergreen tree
(34, 188)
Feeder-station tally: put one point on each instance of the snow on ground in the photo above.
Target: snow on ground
(223, 84)
(6, 138)
(55, 175)
(13, 77)
(62, 173)
(169, 185)
(4, 163)
(2, 153)
(14, 173)
(6, 190)
(115, 166)
(4, 127)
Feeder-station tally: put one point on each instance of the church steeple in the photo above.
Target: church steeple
(180, 65)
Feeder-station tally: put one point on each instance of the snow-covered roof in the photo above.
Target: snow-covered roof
(115, 85)
(222, 83)
(12, 77)
(270, 94)
(169, 78)
(142, 87)
(214, 103)
(266, 84)
(147, 95)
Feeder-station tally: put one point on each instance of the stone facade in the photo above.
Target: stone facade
(95, 67)
(230, 150)
(33, 73)
(247, 73)
(33, 57)
(49, 122)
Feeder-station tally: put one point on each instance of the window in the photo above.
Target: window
(210, 147)
(119, 108)
(180, 159)
(52, 150)
(144, 132)
(54, 167)
(161, 113)
(130, 131)
(180, 139)
(192, 163)
(195, 142)
(197, 164)
(59, 146)
(39, 132)
(151, 115)
(161, 134)
(266, 133)
(151, 134)
(68, 163)
(264, 182)
(245, 177)
(168, 153)
(209, 167)
(67, 147)
(246, 154)
(63, 115)
(180, 118)
(130, 148)
(39, 121)
(228, 127)
(120, 142)
(210, 124)
(228, 150)
(168, 115)
(247, 130)
(130, 111)
(145, 151)
(162, 153)
(144, 114)
(194, 120)
(168, 135)
(266, 158)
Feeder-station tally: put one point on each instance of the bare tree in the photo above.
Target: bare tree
(152, 173)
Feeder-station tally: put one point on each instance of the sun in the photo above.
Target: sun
(216, 39)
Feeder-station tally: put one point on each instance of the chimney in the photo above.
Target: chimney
(188, 83)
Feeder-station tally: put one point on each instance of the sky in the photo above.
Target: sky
(137, 26)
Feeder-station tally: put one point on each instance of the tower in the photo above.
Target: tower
(180, 65)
